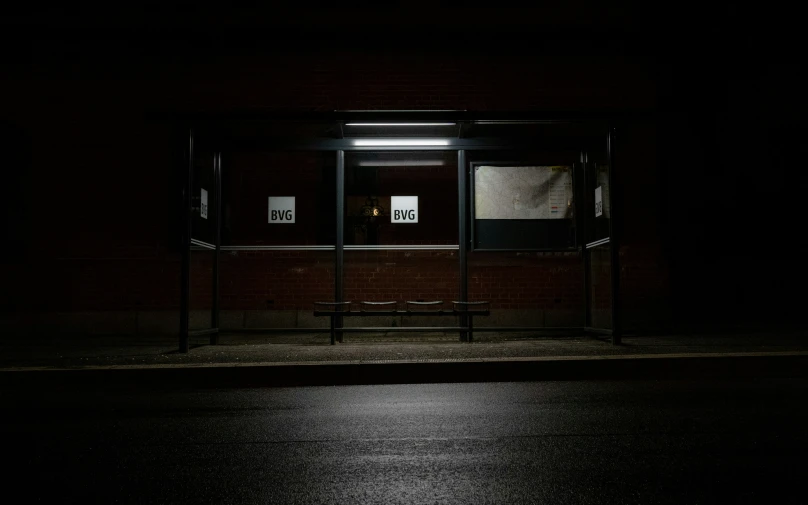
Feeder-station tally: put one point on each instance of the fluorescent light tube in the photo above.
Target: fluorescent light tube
(403, 163)
(400, 124)
(400, 142)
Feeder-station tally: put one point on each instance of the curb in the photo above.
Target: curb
(227, 375)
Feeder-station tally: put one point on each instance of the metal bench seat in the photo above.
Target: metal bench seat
(466, 310)
(378, 306)
(431, 305)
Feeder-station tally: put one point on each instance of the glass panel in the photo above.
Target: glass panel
(527, 289)
(279, 198)
(277, 288)
(399, 130)
(600, 287)
(523, 200)
(201, 295)
(203, 222)
(203, 228)
(598, 197)
(401, 198)
(572, 136)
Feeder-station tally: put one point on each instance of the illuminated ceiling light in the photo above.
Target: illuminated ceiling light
(400, 142)
(403, 163)
(420, 111)
(400, 124)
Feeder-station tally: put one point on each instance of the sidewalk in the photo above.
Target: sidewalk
(308, 358)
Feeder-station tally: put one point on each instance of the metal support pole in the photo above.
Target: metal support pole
(339, 244)
(461, 235)
(614, 248)
(217, 192)
(587, 287)
(583, 215)
(185, 267)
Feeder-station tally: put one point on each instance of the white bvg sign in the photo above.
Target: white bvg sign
(598, 202)
(281, 209)
(203, 204)
(403, 209)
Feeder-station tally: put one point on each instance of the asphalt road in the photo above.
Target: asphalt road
(543, 442)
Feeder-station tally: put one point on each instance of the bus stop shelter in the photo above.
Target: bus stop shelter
(406, 211)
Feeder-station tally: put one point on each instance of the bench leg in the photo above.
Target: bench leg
(471, 328)
(333, 333)
(462, 322)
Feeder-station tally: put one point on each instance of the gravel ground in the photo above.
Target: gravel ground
(106, 351)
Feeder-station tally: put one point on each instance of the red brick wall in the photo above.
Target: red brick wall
(600, 288)
(105, 198)
(262, 280)
(401, 276)
(145, 280)
(516, 280)
(295, 279)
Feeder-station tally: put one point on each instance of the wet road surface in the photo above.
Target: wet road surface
(543, 442)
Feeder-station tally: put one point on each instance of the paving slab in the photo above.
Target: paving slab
(238, 349)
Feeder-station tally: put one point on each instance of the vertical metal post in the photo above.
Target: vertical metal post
(461, 234)
(614, 248)
(470, 228)
(339, 240)
(217, 192)
(185, 267)
(584, 215)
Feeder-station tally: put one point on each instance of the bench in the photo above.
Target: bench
(336, 310)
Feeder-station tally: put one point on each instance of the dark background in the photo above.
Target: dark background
(722, 85)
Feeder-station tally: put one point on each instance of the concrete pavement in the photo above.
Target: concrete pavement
(307, 359)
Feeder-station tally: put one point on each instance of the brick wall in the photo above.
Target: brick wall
(401, 275)
(547, 284)
(104, 205)
(528, 288)
(528, 280)
(276, 280)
